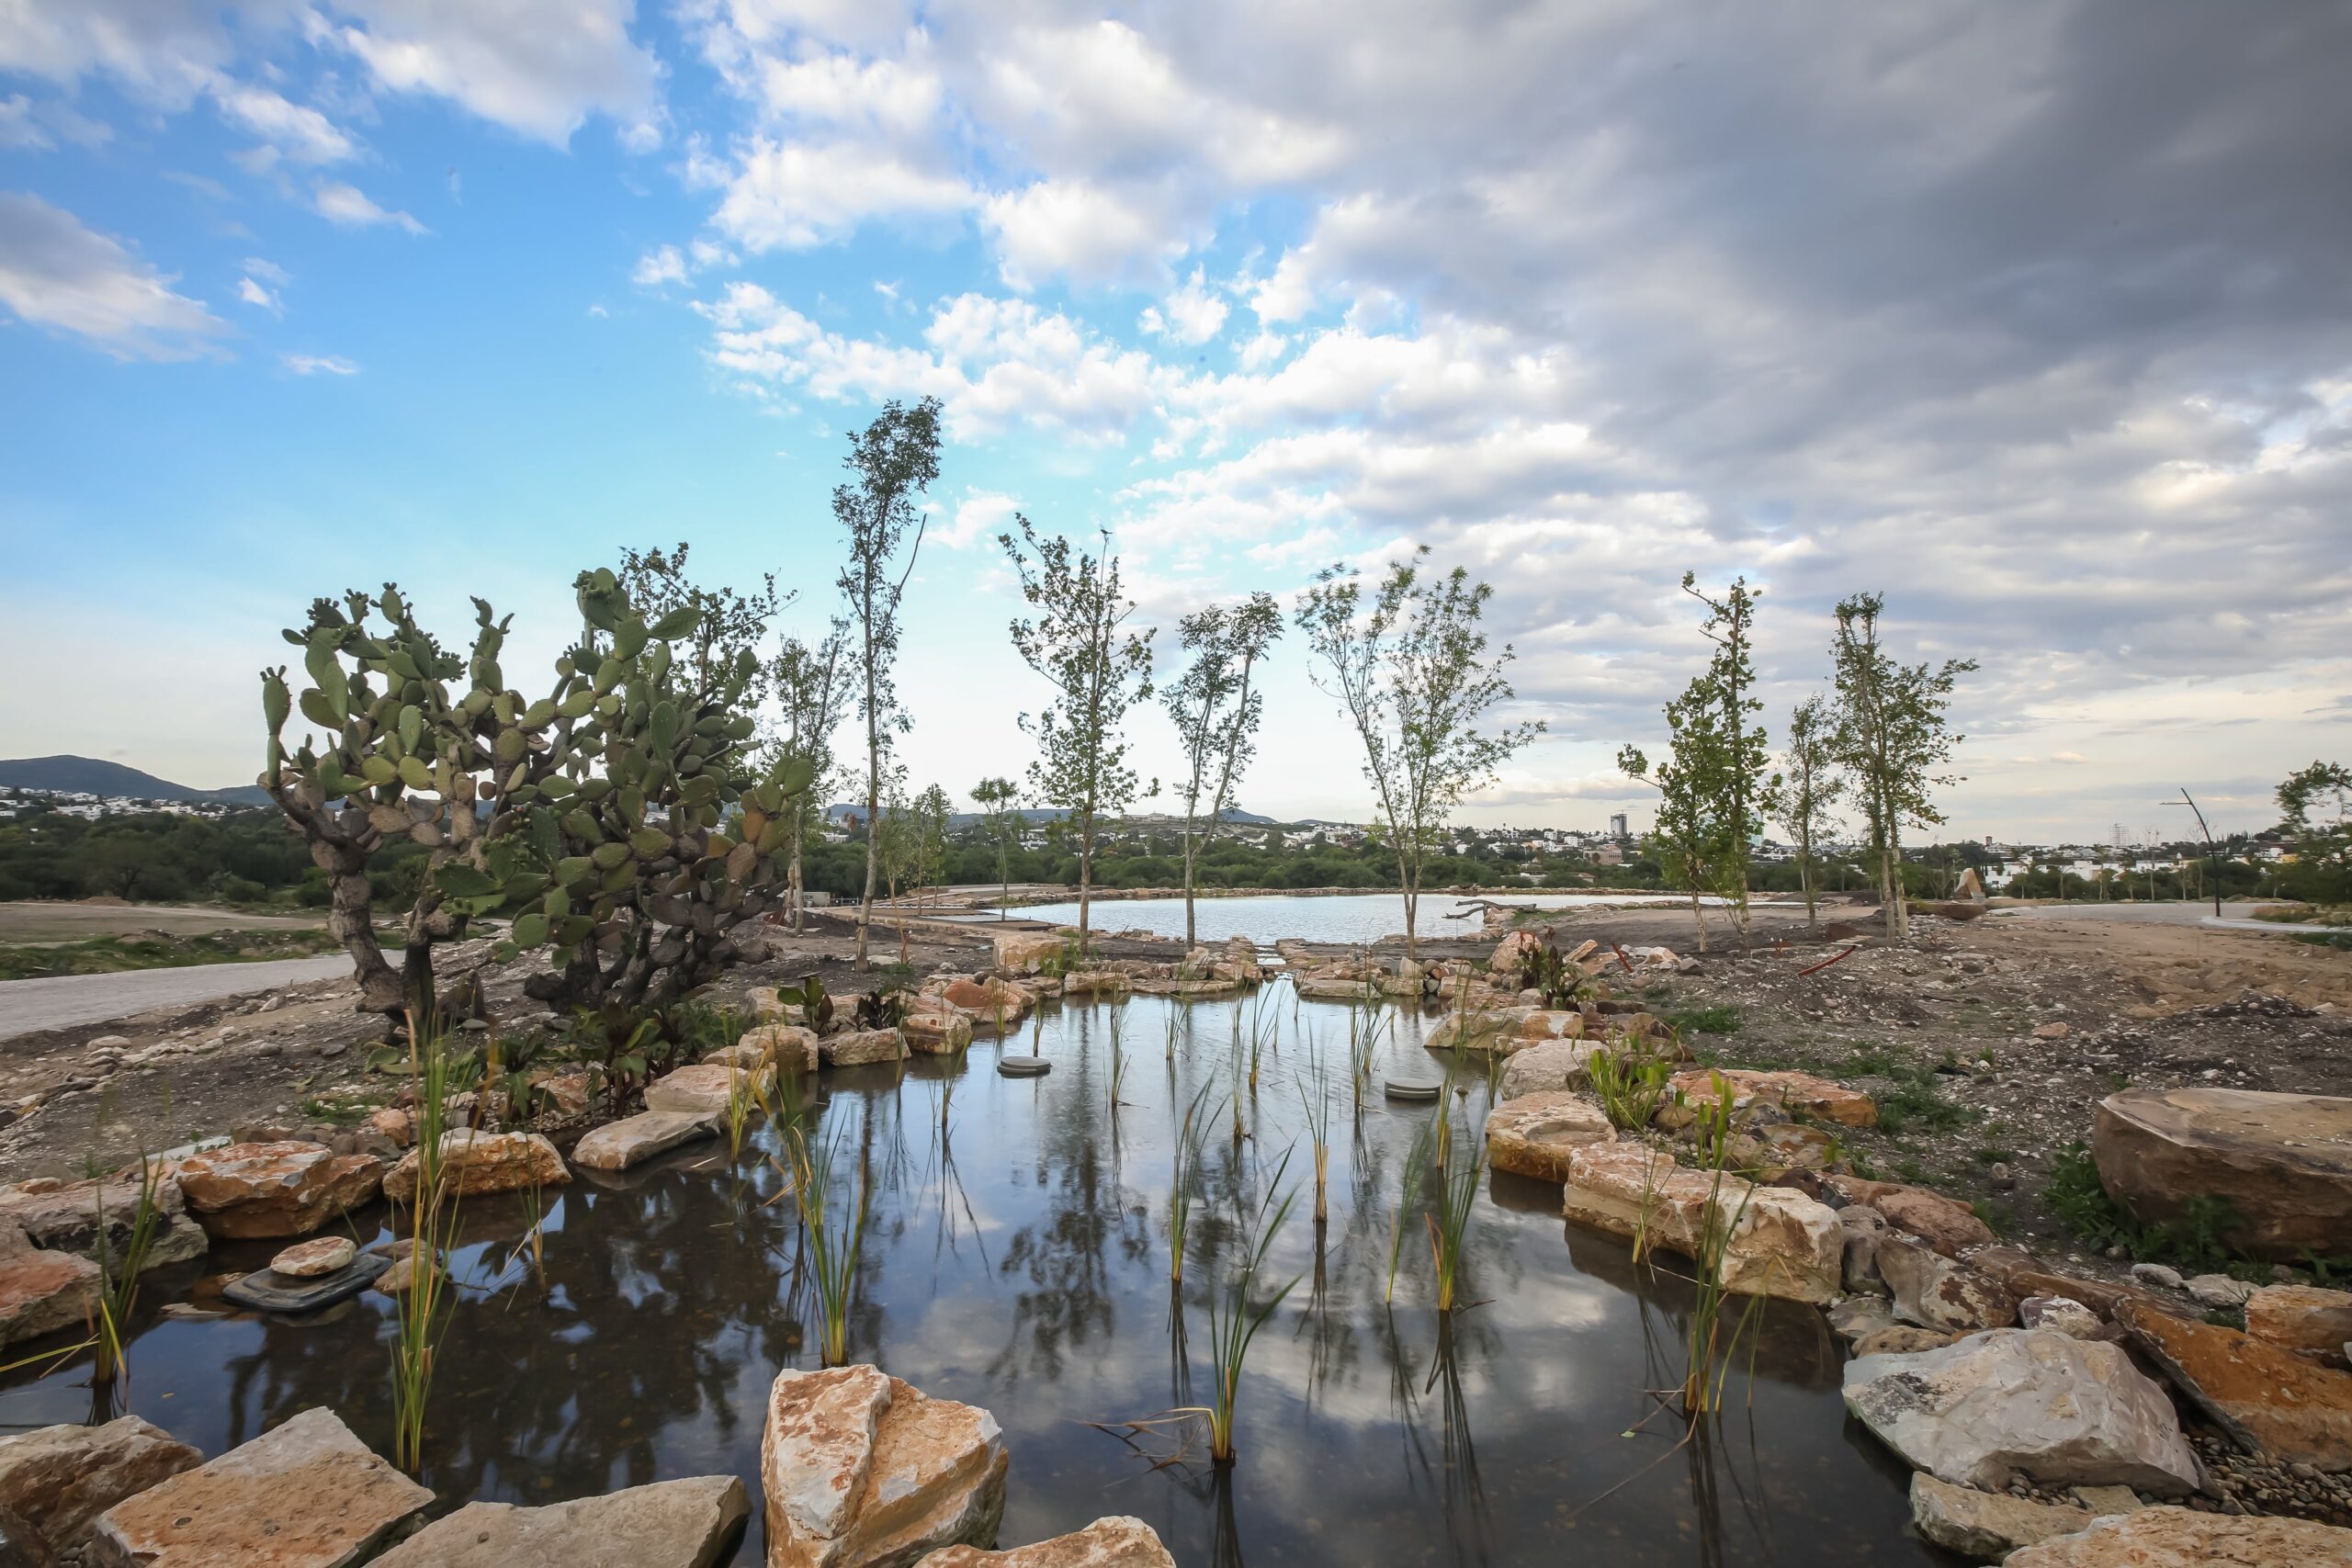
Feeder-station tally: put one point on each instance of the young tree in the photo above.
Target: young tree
(1098, 671)
(1216, 713)
(1692, 839)
(2316, 808)
(895, 458)
(726, 623)
(999, 804)
(811, 686)
(1737, 767)
(1411, 670)
(1891, 734)
(895, 840)
(933, 812)
(1809, 789)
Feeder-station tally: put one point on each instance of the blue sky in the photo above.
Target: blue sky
(297, 297)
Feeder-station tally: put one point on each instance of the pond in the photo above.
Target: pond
(1356, 919)
(1020, 1262)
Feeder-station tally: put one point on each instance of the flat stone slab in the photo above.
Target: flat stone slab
(1119, 1542)
(1531, 1135)
(1775, 1241)
(692, 1523)
(1411, 1088)
(2269, 1400)
(2180, 1538)
(1987, 1524)
(273, 1189)
(2283, 1163)
(266, 1290)
(60, 1479)
(616, 1146)
(705, 1088)
(1023, 1066)
(307, 1493)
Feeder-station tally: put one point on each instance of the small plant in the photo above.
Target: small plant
(1317, 1109)
(1709, 1341)
(1236, 1314)
(1631, 1088)
(424, 1309)
(816, 1006)
(1179, 1190)
(742, 1098)
(1544, 968)
(119, 1269)
(1718, 1019)
(830, 1249)
(1450, 1226)
(1117, 1022)
(1418, 1161)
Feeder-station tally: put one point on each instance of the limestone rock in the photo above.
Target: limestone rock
(397, 1125)
(1863, 1228)
(670, 1524)
(42, 1291)
(1118, 1541)
(59, 1479)
(2056, 1409)
(1531, 1135)
(1985, 1524)
(1480, 1029)
(2061, 1315)
(1780, 1243)
(64, 1216)
(861, 1469)
(1933, 1291)
(786, 1047)
(309, 1259)
(861, 1046)
(1950, 1227)
(1025, 951)
(1513, 951)
(616, 1146)
(276, 1189)
(1799, 1094)
(936, 1032)
(306, 1493)
(483, 1162)
(2218, 1291)
(2179, 1537)
(1902, 1339)
(2271, 1401)
(1095, 982)
(1553, 1064)
(983, 1000)
(705, 1087)
(2283, 1162)
(2311, 1322)
(22, 1546)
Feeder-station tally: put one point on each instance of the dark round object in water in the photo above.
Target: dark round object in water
(1411, 1088)
(1023, 1066)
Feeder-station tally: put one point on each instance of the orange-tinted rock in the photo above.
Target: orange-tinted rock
(705, 1088)
(2181, 1538)
(982, 1000)
(2313, 1323)
(60, 1479)
(1934, 1292)
(2269, 1400)
(1024, 951)
(273, 1189)
(1947, 1226)
(936, 1032)
(1799, 1094)
(2283, 1163)
(1533, 1135)
(786, 1047)
(1117, 1543)
(305, 1495)
(483, 1162)
(862, 1047)
(310, 1259)
(669, 1524)
(862, 1468)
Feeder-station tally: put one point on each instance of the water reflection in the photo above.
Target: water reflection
(1017, 1257)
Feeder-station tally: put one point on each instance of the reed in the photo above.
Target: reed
(1711, 1343)
(1179, 1190)
(831, 1248)
(1236, 1314)
(1317, 1110)
(1417, 1167)
(120, 1268)
(1117, 1021)
(1449, 1226)
(423, 1311)
(742, 1098)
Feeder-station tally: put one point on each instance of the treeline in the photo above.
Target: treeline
(241, 857)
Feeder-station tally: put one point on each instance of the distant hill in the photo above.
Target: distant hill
(88, 775)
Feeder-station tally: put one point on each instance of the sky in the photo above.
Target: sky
(2036, 320)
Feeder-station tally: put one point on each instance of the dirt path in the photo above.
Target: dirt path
(68, 1000)
(44, 921)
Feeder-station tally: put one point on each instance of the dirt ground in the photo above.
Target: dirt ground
(28, 922)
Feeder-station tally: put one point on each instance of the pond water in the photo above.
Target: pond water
(1021, 1263)
(1359, 919)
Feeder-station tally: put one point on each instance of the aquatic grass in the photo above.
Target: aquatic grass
(423, 1311)
(831, 1250)
(1710, 1344)
(1449, 1226)
(1317, 1112)
(1631, 1088)
(1186, 1176)
(119, 1269)
(742, 1098)
(1236, 1314)
(1417, 1168)
(1117, 1024)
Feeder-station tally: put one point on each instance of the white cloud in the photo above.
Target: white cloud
(979, 517)
(538, 67)
(36, 125)
(254, 294)
(1056, 227)
(56, 273)
(794, 194)
(347, 205)
(1193, 315)
(295, 131)
(268, 271)
(656, 268)
(319, 365)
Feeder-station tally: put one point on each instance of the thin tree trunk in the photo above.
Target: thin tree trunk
(1189, 938)
(1085, 882)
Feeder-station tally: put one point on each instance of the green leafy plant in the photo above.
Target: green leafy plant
(1186, 1178)
(423, 1311)
(119, 1267)
(831, 1247)
(1632, 1087)
(1237, 1311)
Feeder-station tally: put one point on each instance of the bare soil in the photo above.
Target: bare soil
(35, 921)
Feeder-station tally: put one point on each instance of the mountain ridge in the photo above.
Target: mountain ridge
(93, 775)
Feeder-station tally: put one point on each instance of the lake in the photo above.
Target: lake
(1355, 919)
(1017, 1259)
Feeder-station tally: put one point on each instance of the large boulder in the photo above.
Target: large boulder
(861, 1047)
(1513, 951)
(693, 1523)
(276, 1188)
(1533, 1136)
(2032, 1401)
(482, 1162)
(1985, 1524)
(60, 1479)
(2271, 1401)
(1119, 1542)
(42, 1291)
(1780, 1243)
(65, 1216)
(939, 1031)
(1026, 952)
(786, 1047)
(1552, 1063)
(861, 1470)
(2180, 1538)
(307, 1493)
(616, 1146)
(2281, 1162)
(984, 1000)
(703, 1089)
(2312, 1322)
(1933, 1291)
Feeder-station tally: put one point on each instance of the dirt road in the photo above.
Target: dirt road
(26, 1006)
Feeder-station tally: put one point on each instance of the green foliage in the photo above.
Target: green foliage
(112, 954)
(1631, 1088)
(1216, 713)
(2194, 1241)
(1718, 1019)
